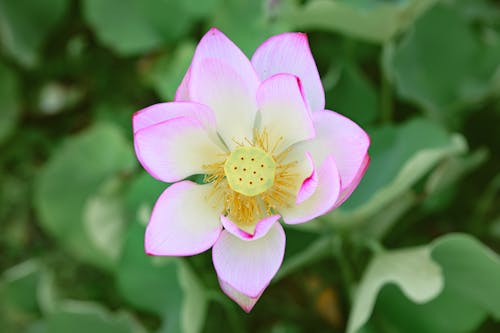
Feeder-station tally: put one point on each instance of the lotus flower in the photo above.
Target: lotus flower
(269, 151)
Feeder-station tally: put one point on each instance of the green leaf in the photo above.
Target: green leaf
(401, 156)
(167, 71)
(447, 313)
(25, 26)
(200, 8)
(73, 176)
(444, 70)
(354, 96)
(132, 27)
(9, 101)
(147, 283)
(413, 270)
(162, 285)
(375, 21)
(104, 220)
(25, 290)
(84, 317)
(470, 272)
(18, 286)
(249, 23)
(195, 304)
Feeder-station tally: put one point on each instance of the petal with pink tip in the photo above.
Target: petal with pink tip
(261, 228)
(176, 148)
(309, 184)
(246, 303)
(290, 53)
(160, 112)
(346, 192)
(229, 95)
(283, 111)
(340, 137)
(182, 92)
(249, 266)
(323, 199)
(223, 78)
(216, 45)
(183, 221)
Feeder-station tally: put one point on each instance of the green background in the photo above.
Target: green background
(413, 250)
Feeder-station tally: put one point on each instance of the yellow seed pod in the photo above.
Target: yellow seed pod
(250, 170)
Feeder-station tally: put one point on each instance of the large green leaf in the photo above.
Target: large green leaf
(413, 270)
(354, 96)
(400, 157)
(84, 317)
(376, 21)
(444, 69)
(18, 286)
(470, 272)
(133, 27)
(24, 293)
(25, 24)
(167, 71)
(73, 181)
(9, 101)
(249, 23)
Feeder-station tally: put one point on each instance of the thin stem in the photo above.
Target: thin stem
(345, 267)
(386, 107)
(386, 100)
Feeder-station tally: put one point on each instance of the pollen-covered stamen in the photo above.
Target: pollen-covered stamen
(253, 181)
(250, 170)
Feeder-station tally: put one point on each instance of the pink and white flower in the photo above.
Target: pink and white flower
(269, 151)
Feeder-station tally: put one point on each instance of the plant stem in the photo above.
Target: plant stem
(386, 108)
(345, 267)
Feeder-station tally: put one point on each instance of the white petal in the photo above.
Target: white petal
(176, 148)
(222, 77)
(246, 303)
(321, 201)
(290, 53)
(160, 112)
(183, 222)
(340, 137)
(283, 111)
(249, 266)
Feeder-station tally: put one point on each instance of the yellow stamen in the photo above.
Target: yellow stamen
(253, 189)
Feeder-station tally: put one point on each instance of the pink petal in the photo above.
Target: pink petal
(261, 228)
(347, 191)
(183, 221)
(215, 45)
(158, 113)
(290, 53)
(322, 200)
(249, 266)
(222, 77)
(340, 137)
(309, 184)
(283, 110)
(182, 93)
(176, 148)
(246, 303)
(230, 96)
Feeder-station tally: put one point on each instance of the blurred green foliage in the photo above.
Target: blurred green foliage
(413, 249)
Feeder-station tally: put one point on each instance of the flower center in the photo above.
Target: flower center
(250, 170)
(252, 181)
